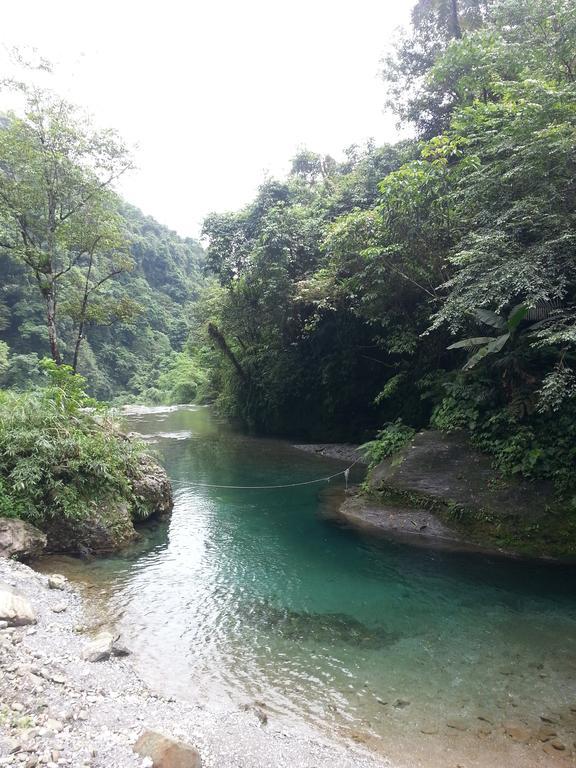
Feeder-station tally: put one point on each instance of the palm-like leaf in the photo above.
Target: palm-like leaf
(495, 345)
(472, 343)
(493, 319)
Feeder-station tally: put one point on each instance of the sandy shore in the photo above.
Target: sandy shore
(58, 710)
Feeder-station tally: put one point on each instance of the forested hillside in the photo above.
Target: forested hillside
(431, 282)
(122, 284)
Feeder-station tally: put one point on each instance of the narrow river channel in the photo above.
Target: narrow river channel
(260, 595)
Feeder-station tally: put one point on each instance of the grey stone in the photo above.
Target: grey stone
(57, 581)
(99, 648)
(19, 539)
(447, 469)
(152, 488)
(14, 607)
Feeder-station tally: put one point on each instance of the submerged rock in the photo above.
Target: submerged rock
(19, 539)
(167, 753)
(517, 731)
(14, 607)
(320, 627)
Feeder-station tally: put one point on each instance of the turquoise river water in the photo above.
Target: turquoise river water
(262, 595)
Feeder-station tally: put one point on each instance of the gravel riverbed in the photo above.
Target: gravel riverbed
(56, 709)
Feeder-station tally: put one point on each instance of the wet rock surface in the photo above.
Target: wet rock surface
(397, 521)
(58, 709)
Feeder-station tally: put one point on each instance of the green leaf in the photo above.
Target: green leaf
(516, 316)
(494, 346)
(471, 343)
(490, 318)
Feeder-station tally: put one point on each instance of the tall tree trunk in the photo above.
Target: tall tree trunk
(455, 20)
(79, 339)
(83, 309)
(218, 339)
(50, 301)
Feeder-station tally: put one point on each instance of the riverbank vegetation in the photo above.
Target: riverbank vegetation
(60, 454)
(430, 282)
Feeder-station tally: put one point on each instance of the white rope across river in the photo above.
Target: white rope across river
(345, 472)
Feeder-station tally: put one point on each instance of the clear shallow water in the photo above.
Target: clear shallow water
(262, 596)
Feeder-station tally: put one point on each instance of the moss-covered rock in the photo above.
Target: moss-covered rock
(106, 529)
(109, 526)
(443, 474)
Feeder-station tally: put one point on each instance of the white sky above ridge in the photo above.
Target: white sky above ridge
(215, 95)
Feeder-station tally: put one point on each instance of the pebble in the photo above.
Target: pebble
(458, 725)
(53, 725)
(517, 731)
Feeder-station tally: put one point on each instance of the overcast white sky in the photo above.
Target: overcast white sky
(216, 93)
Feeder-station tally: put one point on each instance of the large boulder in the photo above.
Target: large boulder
(445, 468)
(152, 490)
(19, 539)
(14, 607)
(107, 528)
(167, 753)
(459, 488)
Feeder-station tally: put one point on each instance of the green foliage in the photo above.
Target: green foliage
(388, 441)
(57, 457)
(344, 284)
(482, 346)
(539, 448)
(183, 381)
(130, 337)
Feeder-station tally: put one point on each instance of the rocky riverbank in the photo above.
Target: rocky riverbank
(440, 491)
(58, 708)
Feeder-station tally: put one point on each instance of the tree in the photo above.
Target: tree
(407, 71)
(56, 211)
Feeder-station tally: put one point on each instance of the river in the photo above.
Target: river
(263, 596)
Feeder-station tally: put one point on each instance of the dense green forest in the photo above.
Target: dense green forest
(86, 278)
(426, 283)
(136, 335)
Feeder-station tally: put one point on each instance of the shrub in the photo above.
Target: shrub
(60, 452)
(388, 441)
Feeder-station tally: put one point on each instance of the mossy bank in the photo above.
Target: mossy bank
(439, 490)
